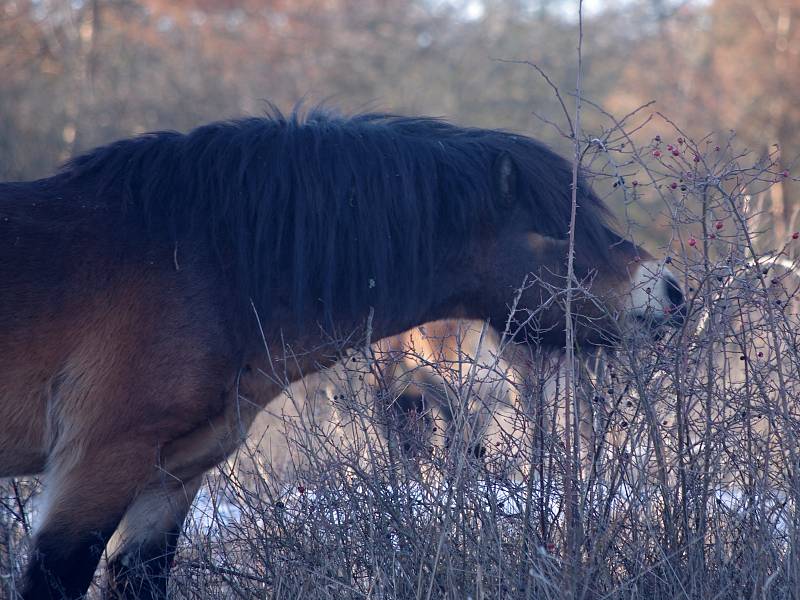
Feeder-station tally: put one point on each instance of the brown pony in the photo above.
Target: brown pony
(156, 293)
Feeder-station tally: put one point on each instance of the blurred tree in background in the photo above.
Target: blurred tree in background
(78, 73)
(726, 65)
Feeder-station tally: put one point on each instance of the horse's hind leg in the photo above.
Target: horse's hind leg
(85, 499)
(142, 551)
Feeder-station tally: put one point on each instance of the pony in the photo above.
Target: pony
(436, 381)
(157, 292)
(459, 380)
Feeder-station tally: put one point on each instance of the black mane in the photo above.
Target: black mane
(329, 208)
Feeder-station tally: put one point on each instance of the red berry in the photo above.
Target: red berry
(785, 173)
(712, 236)
(301, 489)
(657, 138)
(692, 242)
(696, 158)
(796, 235)
(760, 355)
(656, 153)
(676, 152)
(716, 148)
(719, 225)
(680, 140)
(670, 147)
(673, 185)
(635, 183)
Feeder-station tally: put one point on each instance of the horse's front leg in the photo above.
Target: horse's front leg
(143, 549)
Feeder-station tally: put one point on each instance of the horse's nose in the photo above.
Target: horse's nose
(656, 297)
(676, 302)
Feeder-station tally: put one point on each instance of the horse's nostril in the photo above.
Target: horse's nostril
(674, 293)
(677, 302)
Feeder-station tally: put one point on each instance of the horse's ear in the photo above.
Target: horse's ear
(505, 176)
